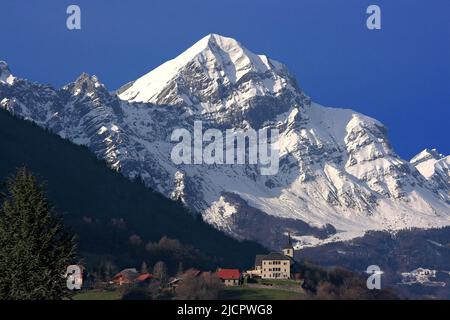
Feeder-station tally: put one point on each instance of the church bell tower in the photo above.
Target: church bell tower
(288, 249)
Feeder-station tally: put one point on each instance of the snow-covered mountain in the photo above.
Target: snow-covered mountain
(338, 175)
(426, 160)
(435, 167)
(5, 74)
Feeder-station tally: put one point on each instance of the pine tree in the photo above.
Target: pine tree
(35, 249)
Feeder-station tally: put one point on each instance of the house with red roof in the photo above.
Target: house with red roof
(175, 281)
(131, 276)
(126, 276)
(229, 277)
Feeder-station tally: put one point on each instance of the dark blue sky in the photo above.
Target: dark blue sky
(399, 75)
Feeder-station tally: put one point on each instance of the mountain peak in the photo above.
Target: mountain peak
(86, 78)
(425, 162)
(85, 83)
(212, 61)
(5, 73)
(213, 43)
(425, 155)
(214, 40)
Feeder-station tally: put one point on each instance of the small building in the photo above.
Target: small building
(174, 282)
(229, 277)
(126, 276)
(276, 266)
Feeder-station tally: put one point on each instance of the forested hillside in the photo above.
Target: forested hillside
(117, 221)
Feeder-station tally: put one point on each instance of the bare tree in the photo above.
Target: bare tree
(160, 272)
(144, 268)
(206, 286)
(180, 268)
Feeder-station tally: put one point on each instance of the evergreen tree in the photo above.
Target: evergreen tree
(35, 249)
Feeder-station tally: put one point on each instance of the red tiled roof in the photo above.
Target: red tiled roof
(126, 275)
(144, 277)
(228, 274)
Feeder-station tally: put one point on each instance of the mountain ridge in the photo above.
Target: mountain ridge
(336, 165)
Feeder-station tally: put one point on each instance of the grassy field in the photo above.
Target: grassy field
(280, 282)
(99, 295)
(233, 293)
(229, 293)
(245, 293)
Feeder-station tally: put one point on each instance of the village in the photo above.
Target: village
(273, 276)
